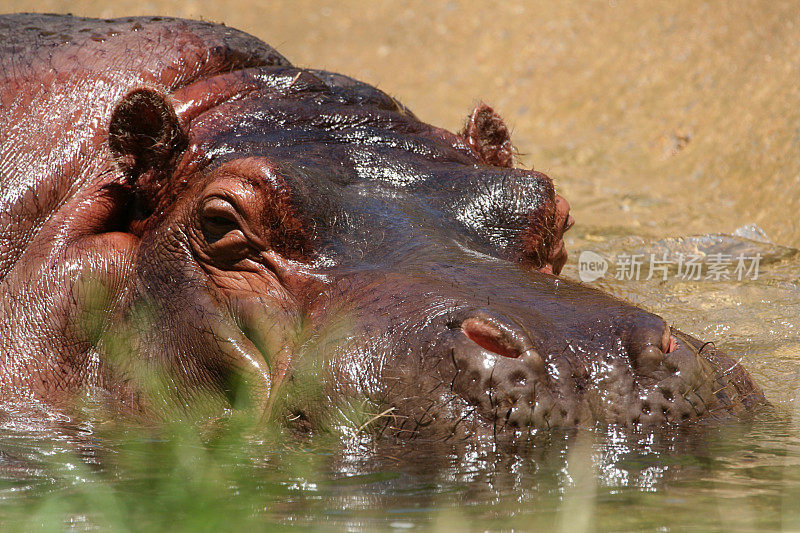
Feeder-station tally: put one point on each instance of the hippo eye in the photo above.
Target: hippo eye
(219, 225)
(218, 219)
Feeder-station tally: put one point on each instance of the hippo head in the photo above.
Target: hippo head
(277, 209)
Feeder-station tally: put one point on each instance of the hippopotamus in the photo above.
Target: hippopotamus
(187, 220)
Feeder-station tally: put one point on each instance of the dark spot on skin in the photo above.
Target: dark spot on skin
(518, 378)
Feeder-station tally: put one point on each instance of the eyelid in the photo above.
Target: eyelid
(220, 221)
(218, 206)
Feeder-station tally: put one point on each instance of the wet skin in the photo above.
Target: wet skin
(179, 200)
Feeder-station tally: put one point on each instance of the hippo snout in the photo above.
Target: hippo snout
(632, 369)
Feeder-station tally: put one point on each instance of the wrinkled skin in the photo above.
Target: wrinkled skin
(178, 200)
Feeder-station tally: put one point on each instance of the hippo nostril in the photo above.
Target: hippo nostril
(493, 334)
(569, 223)
(671, 345)
(489, 337)
(668, 342)
(649, 340)
(649, 356)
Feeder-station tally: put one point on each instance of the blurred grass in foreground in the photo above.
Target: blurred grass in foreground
(176, 478)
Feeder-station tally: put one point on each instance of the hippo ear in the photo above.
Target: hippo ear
(146, 138)
(488, 135)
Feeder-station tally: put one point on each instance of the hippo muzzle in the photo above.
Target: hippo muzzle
(500, 348)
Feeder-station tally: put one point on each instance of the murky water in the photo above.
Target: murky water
(673, 128)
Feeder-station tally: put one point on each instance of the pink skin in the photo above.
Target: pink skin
(558, 255)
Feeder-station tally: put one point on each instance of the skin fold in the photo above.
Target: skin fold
(188, 220)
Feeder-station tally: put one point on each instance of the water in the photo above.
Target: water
(738, 478)
(735, 476)
(670, 127)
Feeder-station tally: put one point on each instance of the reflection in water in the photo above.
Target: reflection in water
(705, 476)
(603, 478)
